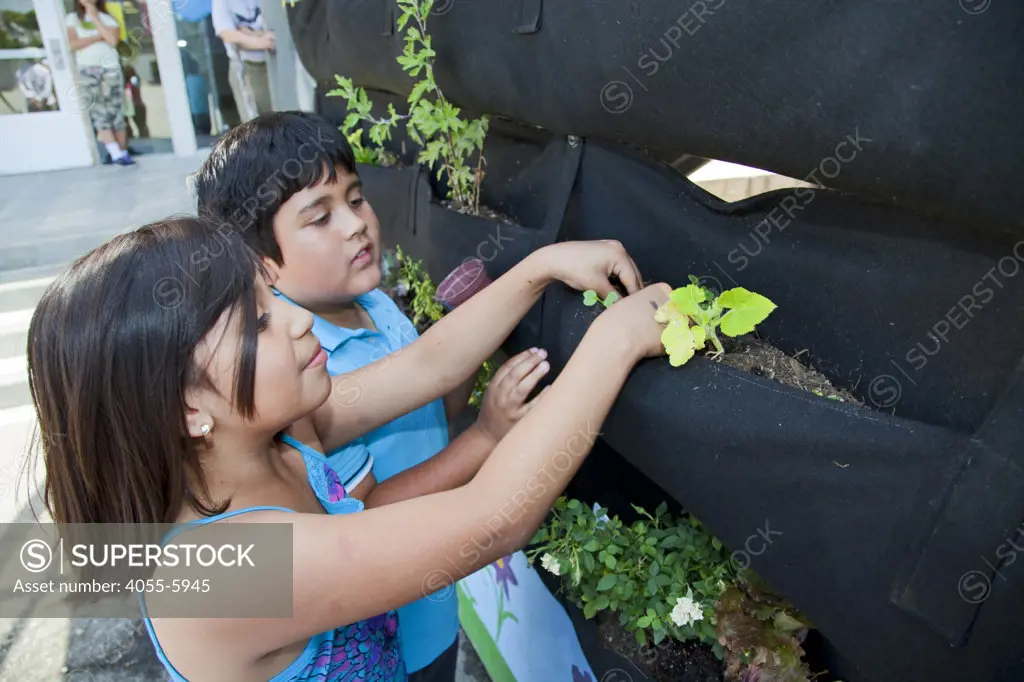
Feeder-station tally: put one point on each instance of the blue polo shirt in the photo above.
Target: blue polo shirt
(429, 626)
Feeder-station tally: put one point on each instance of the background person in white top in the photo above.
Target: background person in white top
(93, 35)
(239, 23)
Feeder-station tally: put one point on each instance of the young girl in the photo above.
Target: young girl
(172, 386)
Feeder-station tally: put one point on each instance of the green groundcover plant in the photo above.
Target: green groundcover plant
(667, 576)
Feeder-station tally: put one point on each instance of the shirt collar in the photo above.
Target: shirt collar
(330, 335)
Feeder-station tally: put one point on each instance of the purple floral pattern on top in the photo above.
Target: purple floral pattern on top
(335, 490)
(366, 651)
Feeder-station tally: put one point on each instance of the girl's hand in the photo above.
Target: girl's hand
(591, 264)
(503, 403)
(633, 319)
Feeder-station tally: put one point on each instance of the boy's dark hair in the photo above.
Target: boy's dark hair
(261, 164)
(111, 354)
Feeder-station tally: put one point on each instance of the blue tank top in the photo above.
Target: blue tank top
(365, 651)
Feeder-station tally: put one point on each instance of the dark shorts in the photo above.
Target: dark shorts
(442, 669)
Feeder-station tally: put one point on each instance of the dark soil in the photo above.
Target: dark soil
(765, 360)
(670, 661)
(484, 212)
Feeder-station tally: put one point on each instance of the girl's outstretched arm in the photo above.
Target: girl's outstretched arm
(454, 348)
(348, 568)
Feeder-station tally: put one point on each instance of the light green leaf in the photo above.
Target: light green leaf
(610, 562)
(602, 602)
(746, 310)
(592, 545)
(643, 622)
(688, 299)
(679, 342)
(716, 543)
(417, 91)
(590, 610)
(590, 297)
(607, 582)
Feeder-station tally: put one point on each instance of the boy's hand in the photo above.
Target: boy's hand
(503, 403)
(591, 265)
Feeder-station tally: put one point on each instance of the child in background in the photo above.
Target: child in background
(172, 388)
(291, 179)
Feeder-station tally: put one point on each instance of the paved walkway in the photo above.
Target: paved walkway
(48, 219)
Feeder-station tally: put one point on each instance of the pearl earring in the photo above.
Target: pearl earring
(205, 428)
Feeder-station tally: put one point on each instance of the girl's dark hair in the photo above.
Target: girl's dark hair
(101, 6)
(111, 353)
(262, 163)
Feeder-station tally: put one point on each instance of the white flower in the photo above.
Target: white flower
(550, 563)
(686, 611)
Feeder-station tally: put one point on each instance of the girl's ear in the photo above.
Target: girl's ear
(198, 420)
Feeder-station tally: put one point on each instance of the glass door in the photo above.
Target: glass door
(42, 122)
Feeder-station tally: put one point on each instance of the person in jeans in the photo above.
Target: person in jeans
(93, 35)
(239, 23)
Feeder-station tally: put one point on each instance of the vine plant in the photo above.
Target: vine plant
(450, 143)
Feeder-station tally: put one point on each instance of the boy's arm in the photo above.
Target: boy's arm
(458, 400)
(450, 352)
(504, 404)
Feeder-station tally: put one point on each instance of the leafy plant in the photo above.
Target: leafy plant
(762, 635)
(448, 141)
(590, 298)
(736, 312)
(483, 379)
(662, 575)
(401, 276)
(413, 279)
(360, 113)
(670, 577)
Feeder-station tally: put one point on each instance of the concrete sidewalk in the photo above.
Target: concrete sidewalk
(49, 219)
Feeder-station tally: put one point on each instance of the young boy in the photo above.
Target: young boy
(287, 182)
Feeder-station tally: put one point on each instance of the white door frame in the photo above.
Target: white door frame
(172, 76)
(48, 140)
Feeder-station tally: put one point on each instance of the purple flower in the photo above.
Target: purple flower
(580, 676)
(503, 574)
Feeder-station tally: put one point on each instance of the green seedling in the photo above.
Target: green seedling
(590, 298)
(693, 315)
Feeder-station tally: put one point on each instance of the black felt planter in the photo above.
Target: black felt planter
(884, 526)
(606, 664)
(865, 519)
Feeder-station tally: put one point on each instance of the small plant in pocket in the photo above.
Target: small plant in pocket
(693, 315)
(591, 298)
(666, 578)
(449, 142)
